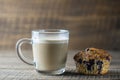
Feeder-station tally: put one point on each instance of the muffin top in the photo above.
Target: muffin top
(92, 53)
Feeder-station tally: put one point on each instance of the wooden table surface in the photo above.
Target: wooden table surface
(12, 68)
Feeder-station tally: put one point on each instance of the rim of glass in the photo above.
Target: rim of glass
(50, 31)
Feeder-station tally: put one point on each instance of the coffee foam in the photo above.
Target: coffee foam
(50, 40)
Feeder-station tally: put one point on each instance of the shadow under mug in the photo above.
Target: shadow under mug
(50, 47)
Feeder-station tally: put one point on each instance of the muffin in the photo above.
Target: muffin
(92, 61)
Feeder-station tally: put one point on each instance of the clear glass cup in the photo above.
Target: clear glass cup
(50, 47)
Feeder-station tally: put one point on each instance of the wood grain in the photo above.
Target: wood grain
(11, 68)
(92, 23)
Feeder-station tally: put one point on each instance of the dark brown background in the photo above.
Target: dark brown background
(92, 23)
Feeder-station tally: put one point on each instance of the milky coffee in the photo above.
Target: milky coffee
(50, 54)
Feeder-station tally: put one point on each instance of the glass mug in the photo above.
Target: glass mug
(50, 48)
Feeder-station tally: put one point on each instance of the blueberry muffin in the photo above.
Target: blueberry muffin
(92, 61)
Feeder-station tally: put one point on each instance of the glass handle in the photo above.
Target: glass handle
(19, 51)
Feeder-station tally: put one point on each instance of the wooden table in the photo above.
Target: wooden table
(12, 68)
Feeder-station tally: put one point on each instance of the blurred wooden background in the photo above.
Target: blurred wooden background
(92, 23)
